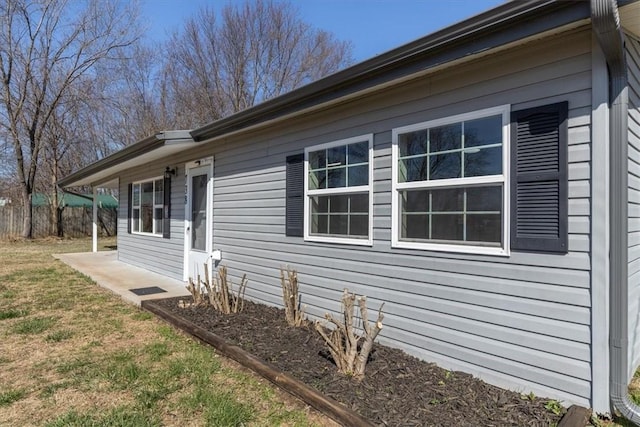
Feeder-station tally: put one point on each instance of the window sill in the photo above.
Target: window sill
(339, 240)
(437, 247)
(139, 233)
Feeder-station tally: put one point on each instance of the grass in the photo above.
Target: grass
(75, 355)
(10, 396)
(33, 326)
(12, 314)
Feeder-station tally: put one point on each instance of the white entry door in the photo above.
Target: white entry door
(198, 220)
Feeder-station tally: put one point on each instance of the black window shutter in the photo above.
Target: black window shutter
(129, 207)
(295, 195)
(166, 208)
(539, 194)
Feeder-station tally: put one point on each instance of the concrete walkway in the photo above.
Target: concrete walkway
(105, 269)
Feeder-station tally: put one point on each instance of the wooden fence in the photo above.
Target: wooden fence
(76, 221)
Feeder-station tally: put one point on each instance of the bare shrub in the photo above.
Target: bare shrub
(294, 313)
(218, 293)
(349, 350)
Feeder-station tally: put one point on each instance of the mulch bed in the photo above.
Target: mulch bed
(398, 389)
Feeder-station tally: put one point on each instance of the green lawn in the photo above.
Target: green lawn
(73, 354)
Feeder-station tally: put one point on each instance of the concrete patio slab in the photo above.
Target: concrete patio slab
(120, 278)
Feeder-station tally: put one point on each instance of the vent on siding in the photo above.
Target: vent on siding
(295, 195)
(539, 179)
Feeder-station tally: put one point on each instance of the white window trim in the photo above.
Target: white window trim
(343, 190)
(155, 206)
(503, 179)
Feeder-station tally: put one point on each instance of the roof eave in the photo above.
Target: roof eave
(137, 149)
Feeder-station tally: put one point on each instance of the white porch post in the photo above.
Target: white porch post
(94, 231)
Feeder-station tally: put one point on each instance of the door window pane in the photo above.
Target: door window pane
(199, 212)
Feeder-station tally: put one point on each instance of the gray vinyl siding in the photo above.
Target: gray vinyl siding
(521, 321)
(154, 253)
(633, 61)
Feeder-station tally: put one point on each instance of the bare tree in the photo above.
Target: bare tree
(46, 47)
(219, 65)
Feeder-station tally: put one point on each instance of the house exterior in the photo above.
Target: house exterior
(465, 179)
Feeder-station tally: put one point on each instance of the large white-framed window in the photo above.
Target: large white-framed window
(147, 203)
(450, 183)
(338, 195)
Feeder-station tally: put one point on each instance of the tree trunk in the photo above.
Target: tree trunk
(27, 227)
(58, 222)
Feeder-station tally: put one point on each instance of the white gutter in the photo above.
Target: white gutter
(606, 26)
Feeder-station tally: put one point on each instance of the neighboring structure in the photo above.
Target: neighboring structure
(75, 200)
(463, 179)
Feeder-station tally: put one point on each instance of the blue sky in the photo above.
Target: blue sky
(373, 26)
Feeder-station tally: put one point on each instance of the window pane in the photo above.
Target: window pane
(447, 226)
(147, 219)
(146, 211)
(339, 204)
(358, 152)
(317, 179)
(358, 175)
(413, 143)
(159, 193)
(485, 161)
(484, 228)
(157, 219)
(359, 203)
(445, 138)
(484, 199)
(147, 193)
(338, 224)
(414, 169)
(136, 195)
(317, 159)
(337, 156)
(337, 177)
(449, 200)
(450, 210)
(483, 131)
(320, 204)
(135, 216)
(445, 166)
(415, 227)
(319, 224)
(343, 214)
(415, 201)
(359, 225)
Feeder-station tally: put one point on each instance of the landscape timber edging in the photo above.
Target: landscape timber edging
(312, 397)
